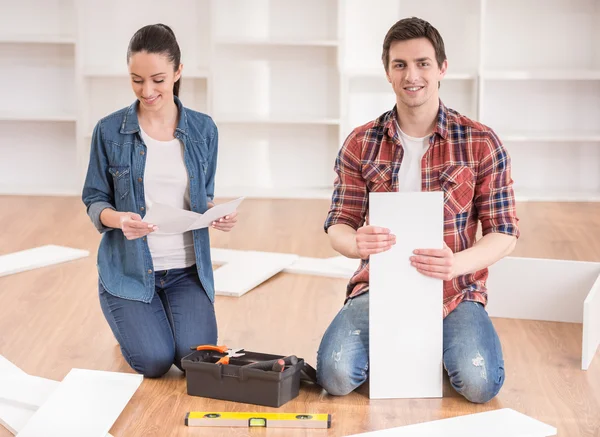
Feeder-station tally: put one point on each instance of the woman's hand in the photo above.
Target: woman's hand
(133, 227)
(226, 223)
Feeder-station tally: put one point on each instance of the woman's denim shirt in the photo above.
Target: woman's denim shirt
(115, 179)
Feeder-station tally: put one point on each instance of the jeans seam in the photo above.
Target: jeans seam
(125, 351)
(172, 321)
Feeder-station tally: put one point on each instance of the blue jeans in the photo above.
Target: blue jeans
(154, 336)
(472, 353)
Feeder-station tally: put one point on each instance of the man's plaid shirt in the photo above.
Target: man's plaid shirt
(465, 160)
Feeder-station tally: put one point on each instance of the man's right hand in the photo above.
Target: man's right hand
(373, 239)
(133, 227)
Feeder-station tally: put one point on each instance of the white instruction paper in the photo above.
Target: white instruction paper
(172, 220)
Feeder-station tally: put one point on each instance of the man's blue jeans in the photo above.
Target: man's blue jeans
(154, 336)
(472, 353)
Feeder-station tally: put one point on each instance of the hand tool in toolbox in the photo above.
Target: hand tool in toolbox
(276, 365)
(230, 353)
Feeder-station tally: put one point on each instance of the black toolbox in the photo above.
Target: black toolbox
(234, 382)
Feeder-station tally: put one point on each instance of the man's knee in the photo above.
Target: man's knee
(477, 383)
(480, 392)
(340, 374)
(336, 379)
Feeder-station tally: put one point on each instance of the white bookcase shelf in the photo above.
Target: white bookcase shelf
(550, 75)
(277, 42)
(287, 81)
(33, 116)
(36, 39)
(244, 119)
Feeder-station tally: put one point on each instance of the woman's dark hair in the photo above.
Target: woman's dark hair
(157, 38)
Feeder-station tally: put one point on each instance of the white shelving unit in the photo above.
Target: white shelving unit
(542, 94)
(287, 81)
(38, 108)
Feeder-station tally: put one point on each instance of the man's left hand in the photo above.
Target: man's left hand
(436, 263)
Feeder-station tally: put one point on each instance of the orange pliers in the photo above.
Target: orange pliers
(230, 353)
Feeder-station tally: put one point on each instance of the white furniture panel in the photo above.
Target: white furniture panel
(38, 158)
(38, 80)
(274, 21)
(248, 270)
(496, 423)
(274, 82)
(35, 20)
(108, 29)
(38, 257)
(405, 306)
(591, 325)
(566, 35)
(87, 402)
(264, 156)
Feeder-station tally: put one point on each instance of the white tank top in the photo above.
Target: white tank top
(166, 181)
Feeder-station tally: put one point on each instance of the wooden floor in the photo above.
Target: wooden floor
(50, 322)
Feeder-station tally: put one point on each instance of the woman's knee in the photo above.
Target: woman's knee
(153, 364)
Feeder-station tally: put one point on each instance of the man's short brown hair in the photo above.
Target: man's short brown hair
(411, 28)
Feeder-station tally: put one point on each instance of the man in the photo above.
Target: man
(420, 145)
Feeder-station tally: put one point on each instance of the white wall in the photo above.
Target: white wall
(286, 81)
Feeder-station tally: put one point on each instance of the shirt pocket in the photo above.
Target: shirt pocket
(377, 176)
(458, 184)
(121, 180)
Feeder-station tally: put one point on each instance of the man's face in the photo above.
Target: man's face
(414, 73)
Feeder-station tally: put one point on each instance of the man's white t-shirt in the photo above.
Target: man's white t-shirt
(409, 176)
(166, 181)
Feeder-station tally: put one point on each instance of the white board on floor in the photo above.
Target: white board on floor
(248, 270)
(591, 325)
(223, 256)
(516, 286)
(405, 306)
(14, 416)
(38, 257)
(86, 403)
(349, 264)
(335, 267)
(319, 267)
(498, 423)
(25, 390)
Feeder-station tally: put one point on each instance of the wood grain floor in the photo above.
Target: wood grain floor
(50, 322)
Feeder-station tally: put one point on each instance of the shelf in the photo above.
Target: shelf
(36, 39)
(252, 119)
(102, 72)
(380, 72)
(274, 193)
(549, 74)
(15, 116)
(549, 137)
(278, 42)
(274, 22)
(558, 196)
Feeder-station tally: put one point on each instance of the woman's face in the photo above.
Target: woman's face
(152, 79)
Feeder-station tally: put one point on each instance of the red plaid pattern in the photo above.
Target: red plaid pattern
(465, 160)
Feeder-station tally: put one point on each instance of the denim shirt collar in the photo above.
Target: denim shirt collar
(131, 125)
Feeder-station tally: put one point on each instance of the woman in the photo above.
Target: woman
(156, 290)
